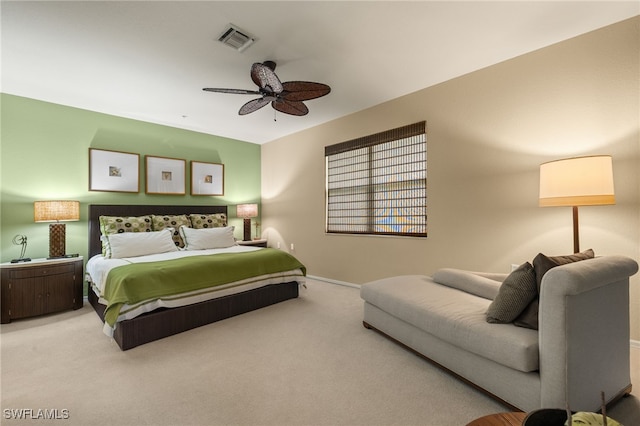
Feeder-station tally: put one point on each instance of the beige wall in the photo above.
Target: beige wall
(487, 134)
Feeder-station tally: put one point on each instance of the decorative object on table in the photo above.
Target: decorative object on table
(165, 175)
(114, 171)
(583, 418)
(285, 97)
(56, 211)
(546, 417)
(207, 178)
(247, 211)
(559, 417)
(514, 418)
(20, 240)
(579, 181)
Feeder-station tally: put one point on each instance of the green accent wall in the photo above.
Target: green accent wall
(44, 155)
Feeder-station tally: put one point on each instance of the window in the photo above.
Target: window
(377, 184)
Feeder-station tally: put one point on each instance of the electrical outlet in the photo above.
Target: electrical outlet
(292, 247)
(278, 244)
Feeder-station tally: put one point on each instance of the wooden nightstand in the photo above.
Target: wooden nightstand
(40, 287)
(255, 243)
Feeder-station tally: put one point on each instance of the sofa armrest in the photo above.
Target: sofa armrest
(584, 332)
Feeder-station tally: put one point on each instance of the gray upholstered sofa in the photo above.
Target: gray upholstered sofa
(581, 346)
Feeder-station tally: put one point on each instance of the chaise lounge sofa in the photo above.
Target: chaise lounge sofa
(580, 348)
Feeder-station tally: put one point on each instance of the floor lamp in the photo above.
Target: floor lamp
(579, 181)
(56, 211)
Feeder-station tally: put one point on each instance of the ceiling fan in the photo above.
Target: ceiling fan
(285, 97)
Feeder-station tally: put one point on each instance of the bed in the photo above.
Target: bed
(167, 321)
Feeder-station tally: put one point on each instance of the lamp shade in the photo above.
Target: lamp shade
(56, 211)
(579, 181)
(247, 210)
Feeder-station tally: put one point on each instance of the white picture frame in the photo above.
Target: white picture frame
(165, 175)
(207, 178)
(113, 171)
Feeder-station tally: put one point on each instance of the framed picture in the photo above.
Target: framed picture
(165, 175)
(207, 178)
(114, 171)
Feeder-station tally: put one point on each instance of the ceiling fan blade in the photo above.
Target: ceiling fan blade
(253, 105)
(284, 97)
(290, 107)
(265, 78)
(233, 91)
(303, 90)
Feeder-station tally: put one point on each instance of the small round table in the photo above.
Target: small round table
(500, 419)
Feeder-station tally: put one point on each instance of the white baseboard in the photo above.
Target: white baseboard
(328, 280)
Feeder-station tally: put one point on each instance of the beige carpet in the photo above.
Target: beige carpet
(306, 361)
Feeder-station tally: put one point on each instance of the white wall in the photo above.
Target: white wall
(487, 133)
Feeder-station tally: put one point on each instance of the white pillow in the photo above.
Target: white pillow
(132, 244)
(207, 238)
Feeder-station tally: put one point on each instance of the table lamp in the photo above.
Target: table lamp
(56, 211)
(579, 181)
(247, 211)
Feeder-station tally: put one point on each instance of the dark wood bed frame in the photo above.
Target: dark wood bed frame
(166, 322)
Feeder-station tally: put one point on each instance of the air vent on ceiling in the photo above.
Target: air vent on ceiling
(236, 38)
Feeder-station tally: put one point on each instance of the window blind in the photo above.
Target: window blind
(377, 184)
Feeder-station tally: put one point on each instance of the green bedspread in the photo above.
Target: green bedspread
(138, 282)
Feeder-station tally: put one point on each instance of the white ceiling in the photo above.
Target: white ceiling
(150, 60)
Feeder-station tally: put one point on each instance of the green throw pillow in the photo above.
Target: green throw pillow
(175, 222)
(516, 292)
(120, 224)
(200, 221)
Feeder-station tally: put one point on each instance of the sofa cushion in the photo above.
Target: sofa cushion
(454, 316)
(468, 281)
(516, 292)
(529, 317)
(542, 264)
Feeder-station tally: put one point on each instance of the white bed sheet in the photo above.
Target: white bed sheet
(98, 268)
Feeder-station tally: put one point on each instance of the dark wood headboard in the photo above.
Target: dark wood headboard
(97, 210)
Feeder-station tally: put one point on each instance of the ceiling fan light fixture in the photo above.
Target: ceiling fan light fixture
(236, 38)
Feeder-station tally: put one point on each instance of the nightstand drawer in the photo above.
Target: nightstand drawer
(41, 271)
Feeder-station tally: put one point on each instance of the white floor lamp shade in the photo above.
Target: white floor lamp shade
(578, 181)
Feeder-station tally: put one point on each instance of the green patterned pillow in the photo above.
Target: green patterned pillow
(120, 224)
(200, 221)
(175, 222)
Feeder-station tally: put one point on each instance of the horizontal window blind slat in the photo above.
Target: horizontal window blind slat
(378, 184)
